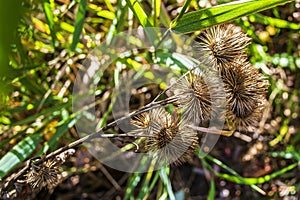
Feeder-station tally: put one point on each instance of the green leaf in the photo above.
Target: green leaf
(182, 11)
(156, 10)
(234, 174)
(212, 190)
(279, 23)
(67, 27)
(60, 131)
(49, 17)
(164, 175)
(139, 13)
(286, 155)
(118, 22)
(78, 23)
(150, 180)
(175, 61)
(144, 20)
(197, 20)
(18, 153)
(259, 180)
(43, 113)
(106, 14)
(132, 183)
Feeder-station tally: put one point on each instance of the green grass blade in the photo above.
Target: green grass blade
(135, 179)
(132, 183)
(153, 182)
(218, 162)
(167, 183)
(279, 23)
(286, 155)
(259, 180)
(60, 131)
(50, 21)
(18, 153)
(46, 112)
(164, 17)
(78, 23)
(109, 6)
(182, 11)
(144, 20)
(175, 61)
(140, 13)
(117, 22)
(212, 190)
(156, 11)
(235, 177)
(148, 186)
(234, 173)
(197, 20)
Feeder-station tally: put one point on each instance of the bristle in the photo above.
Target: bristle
(47, 173)
(44, 175)
(246, 89)
(167, 140)
(221, 44)
(246, 123)
(196, 92)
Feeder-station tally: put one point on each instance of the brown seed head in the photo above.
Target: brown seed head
(197, 91)
(246, 88)
(222, 44)
(44, 175)
(47, 173)
(167, 140)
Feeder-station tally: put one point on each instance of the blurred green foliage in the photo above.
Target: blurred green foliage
(43, 44)
(10, 14)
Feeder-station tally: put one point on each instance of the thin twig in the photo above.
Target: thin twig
(172, 85)
(211, 130)
(111, 125)
(109, 177)
(97, 134)
(15, 177)
(162, 39)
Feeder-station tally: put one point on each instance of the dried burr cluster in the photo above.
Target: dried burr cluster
(170, 140)
(47, 173)
(227, 75)
(224, 47)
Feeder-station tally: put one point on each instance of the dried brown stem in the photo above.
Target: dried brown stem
(97, 134)
(211, 130)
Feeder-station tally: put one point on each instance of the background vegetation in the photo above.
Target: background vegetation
(43, 44)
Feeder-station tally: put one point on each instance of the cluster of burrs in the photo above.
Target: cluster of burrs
(224, 75)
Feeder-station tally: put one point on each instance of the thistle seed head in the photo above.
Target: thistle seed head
(221, 44)
(166, 139)
(245, 123)
(246, 90)
(44, 175)
(47, 173)
(197, 91)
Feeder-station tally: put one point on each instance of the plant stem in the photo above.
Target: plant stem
(165, 35)
(182, 11)
(97, 134)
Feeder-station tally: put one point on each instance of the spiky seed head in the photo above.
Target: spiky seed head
(221, 44)
(247, 123)
(166, 139)
(43, 175)
(246, 88)
(196, 92)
